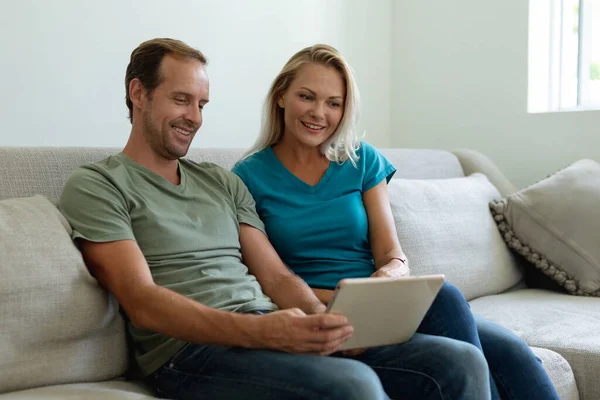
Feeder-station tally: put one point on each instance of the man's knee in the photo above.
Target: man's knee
(470, 367)
(356, 381)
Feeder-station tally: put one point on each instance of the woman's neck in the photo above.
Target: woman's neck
(300, 155)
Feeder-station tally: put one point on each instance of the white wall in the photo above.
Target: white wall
(459, 79)
(63, 62)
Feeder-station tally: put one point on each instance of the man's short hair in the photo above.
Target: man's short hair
(146, 59)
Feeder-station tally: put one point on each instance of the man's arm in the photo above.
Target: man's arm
(279, 283)
(121, 268)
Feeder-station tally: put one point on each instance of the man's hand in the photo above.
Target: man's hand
(293, 331)
(394, 269)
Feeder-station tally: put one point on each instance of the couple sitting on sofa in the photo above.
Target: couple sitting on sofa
(213, 310)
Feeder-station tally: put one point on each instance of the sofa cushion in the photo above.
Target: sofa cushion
(109, 390)
(445, 227)
(566, 324)
(58, 325)
(559, 371)
(27, 171)
(555, 225)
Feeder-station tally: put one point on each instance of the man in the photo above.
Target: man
(212, 310)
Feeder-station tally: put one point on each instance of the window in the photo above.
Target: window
(564, 55)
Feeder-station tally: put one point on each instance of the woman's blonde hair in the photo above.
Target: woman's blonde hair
(342, 145)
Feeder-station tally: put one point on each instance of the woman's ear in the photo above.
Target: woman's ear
(280, 102)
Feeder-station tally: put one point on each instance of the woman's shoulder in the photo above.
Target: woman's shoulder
(260, 157)
(253, 162)
(365, 148)
(365, 153)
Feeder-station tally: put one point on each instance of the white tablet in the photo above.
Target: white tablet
(384, 310)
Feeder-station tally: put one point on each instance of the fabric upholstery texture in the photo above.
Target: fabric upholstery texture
(25, 171)
(473, 161)
(445, 227)
(568, 325)
(113, 390)
(555, 225)
(57, 324)
(560, 373)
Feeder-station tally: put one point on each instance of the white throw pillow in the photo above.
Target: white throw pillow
(445, 227)
(57, 324)
(555, 225)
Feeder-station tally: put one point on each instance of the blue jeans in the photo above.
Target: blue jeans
(515, 372)
(446, 359)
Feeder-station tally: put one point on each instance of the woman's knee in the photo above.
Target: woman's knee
(502, 345)
(450, 293)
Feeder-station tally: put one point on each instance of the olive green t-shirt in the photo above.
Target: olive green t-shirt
(188, 233)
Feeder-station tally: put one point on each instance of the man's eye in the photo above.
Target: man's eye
(180, 101)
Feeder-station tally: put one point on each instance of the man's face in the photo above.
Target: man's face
(172, 114)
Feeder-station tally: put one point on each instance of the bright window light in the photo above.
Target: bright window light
(564, 55)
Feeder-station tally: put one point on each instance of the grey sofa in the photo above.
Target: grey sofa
(563, 330)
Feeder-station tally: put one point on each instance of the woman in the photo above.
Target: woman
(323, 197)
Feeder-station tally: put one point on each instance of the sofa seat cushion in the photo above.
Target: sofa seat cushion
(445, 227)
(108, 390)
(57, 325)
(568, 325)
(560, 373)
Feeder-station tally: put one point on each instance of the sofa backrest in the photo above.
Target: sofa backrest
(26, 171)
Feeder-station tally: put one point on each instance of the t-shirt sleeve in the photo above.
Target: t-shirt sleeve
(240, 171)
(375, 167)
(95, 208)
(244, 202)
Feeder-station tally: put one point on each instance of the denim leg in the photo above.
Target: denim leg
(430, 367)
(218, 372)
(518, 373)
(450, 316)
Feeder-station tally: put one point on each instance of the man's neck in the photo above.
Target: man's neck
(139, 151)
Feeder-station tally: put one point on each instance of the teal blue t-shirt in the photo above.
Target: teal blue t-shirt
(321, 231)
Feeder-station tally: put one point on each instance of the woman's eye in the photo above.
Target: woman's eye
(305, 97)
(336, 105)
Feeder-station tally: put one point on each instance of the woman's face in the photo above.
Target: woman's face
(313, 105)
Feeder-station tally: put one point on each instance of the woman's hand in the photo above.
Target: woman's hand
(354, 352)
(394, 269)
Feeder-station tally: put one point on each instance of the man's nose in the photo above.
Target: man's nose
(194, 115)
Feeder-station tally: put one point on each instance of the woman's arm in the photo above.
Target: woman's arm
(325, 295)
(390, 260)
(277, 281)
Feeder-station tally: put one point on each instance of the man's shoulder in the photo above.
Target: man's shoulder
(209, 170)
(96, 170)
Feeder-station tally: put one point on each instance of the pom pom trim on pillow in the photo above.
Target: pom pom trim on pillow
(551, 270)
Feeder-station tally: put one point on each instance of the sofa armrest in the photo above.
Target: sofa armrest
(473, 161)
